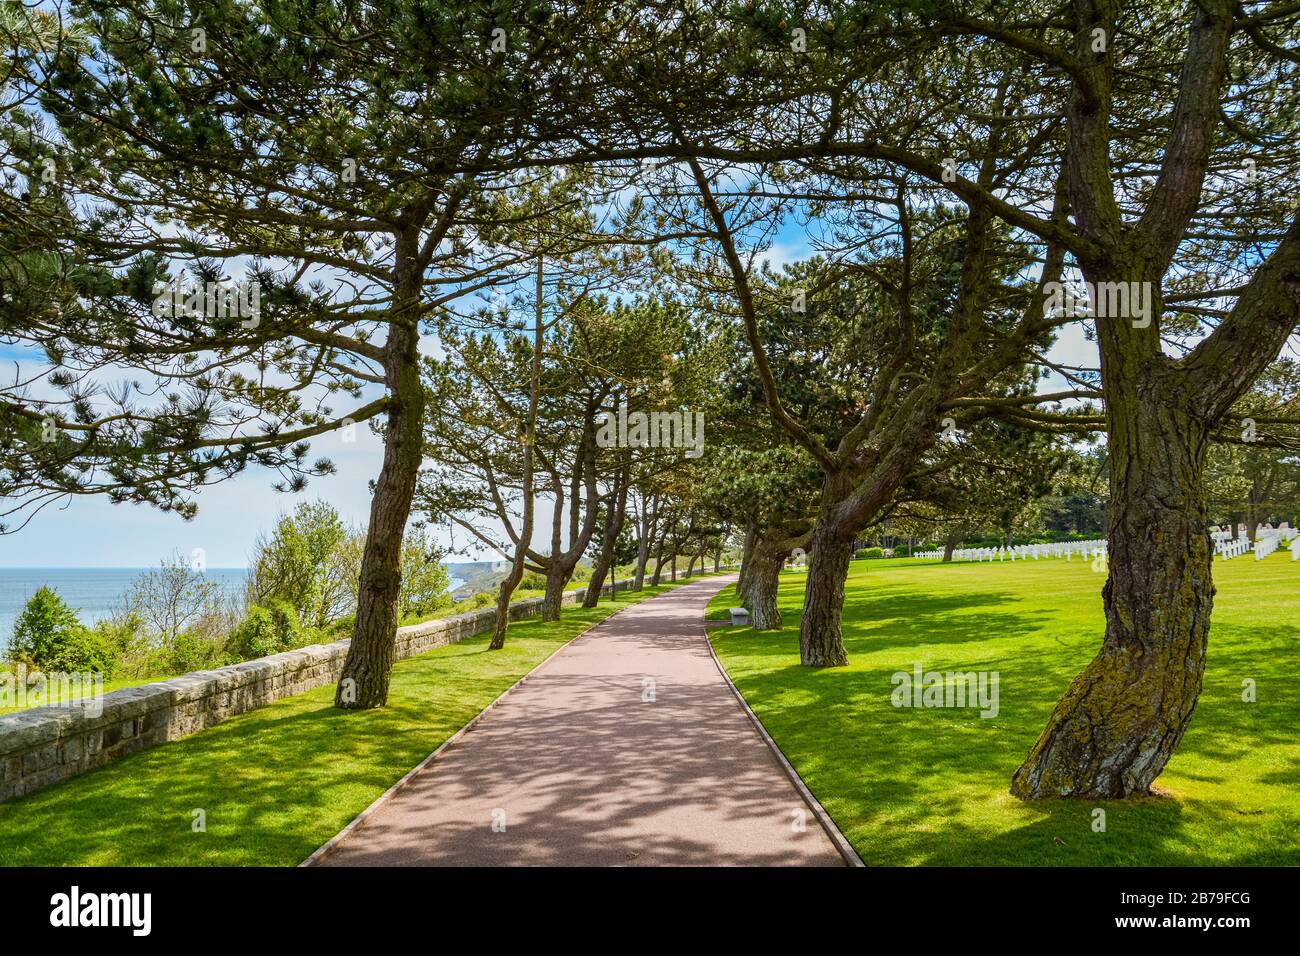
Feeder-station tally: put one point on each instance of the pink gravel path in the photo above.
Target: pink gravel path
(579, 767)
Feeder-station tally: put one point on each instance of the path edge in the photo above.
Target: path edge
(841, 843)
(324, 849)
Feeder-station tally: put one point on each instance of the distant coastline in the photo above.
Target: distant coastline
(96, 593)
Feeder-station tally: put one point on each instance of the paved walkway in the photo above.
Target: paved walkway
(582, 768)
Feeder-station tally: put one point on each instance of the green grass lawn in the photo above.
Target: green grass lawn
(277, 782)
(929, 786)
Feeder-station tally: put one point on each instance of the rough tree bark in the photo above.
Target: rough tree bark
(764, 614)
(1121, 719)
(821, 637)
(1118, 723)
(363, 682)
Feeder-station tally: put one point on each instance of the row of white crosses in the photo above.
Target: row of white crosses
(1267, 540)
(1024, 552)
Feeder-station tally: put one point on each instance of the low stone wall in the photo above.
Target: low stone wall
(44, 745)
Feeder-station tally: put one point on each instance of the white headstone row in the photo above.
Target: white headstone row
(1230, 548)
(1024, 552)
(1267, 540)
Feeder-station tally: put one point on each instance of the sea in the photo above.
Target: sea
(95, 593)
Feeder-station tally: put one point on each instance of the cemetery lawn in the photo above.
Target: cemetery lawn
(911, 786)
(277, 782)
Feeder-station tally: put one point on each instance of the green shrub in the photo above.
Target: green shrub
(255, 636)
(862, 553)
(133, 653)
(902, 551)
(193, 652)
(48, 635)
(267, 629)
(287, 625)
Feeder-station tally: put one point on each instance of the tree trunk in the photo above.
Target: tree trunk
(615, 514)
(1119, 722)
(950, 545)
(557, 576)
(659, 563)
(511, 580)
(645, 526)
(821, 641)
(764, 615)
(363, 682)
(717, 561)
(746, 565)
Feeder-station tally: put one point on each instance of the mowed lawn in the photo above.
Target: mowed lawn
(277, 782)
(911, 786)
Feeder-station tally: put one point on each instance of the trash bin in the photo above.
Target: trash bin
(739, 616)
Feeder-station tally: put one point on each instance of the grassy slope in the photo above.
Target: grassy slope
(277, 782)
(929, 786)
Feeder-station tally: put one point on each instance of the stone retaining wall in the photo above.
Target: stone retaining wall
(44, 745)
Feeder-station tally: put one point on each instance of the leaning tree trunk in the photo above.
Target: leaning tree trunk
(557, 576)
(821, 640)
(659, 563)
(363, 682)
(642, 549)
(615, 515)
(764, 581)
(1119, 722)
(604, 560)
(507, 589)
(950, 545)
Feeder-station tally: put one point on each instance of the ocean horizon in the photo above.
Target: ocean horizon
(94, 593)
